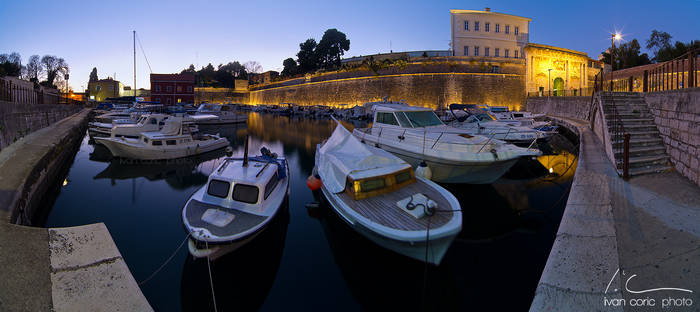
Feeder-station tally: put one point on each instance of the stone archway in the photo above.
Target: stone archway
(558, 86)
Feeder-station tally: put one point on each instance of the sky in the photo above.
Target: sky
(177, 33)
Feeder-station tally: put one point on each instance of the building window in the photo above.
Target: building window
(486, 51)
(517, 30)
(498, 28)
(486, 27)
(507, 29)
(515, 53)
(505, 53)
(466, 50)
(169, 89)
(476, 26)
(476, 51)
(498, 52)
(179, 89)
(495, 69)
(157, 88)
(179, 100)
(466, 25)
(98, 88)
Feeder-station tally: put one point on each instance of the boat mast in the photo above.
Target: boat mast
(134, 66)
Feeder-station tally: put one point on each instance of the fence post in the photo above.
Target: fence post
(691, 70)
(631, 83)
(645, 81)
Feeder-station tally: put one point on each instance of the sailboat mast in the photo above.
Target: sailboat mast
(134, 65)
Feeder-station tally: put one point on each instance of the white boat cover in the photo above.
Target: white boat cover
(172, 126)
(343, 154)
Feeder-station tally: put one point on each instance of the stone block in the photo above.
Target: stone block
(80, 246)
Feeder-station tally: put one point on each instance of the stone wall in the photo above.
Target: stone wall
(677, 115)
(18, 120)
(575, 107)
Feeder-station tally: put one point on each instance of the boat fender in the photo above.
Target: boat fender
(424, 171)
(229, 151)
(495, 154)
(430, 208)
(314, 182)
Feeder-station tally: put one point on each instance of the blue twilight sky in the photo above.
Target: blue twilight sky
(177, 33)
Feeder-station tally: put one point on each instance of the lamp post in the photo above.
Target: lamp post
(613, 37)
(549, 81)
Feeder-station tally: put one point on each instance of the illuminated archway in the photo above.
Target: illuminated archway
(558, 86)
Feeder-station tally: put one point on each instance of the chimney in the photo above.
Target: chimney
(487, 9)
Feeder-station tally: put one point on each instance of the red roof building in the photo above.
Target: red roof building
(172, 89)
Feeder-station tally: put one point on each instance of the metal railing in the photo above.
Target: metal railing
(570, 92)
(678, 73)
(618, 131)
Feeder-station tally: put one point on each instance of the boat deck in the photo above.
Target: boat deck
(383, 209)
(243, 221)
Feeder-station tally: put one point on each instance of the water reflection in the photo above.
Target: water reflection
(243, 278)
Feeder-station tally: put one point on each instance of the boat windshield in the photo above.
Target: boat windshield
(421, 119)
(208, 107)
(485, 117)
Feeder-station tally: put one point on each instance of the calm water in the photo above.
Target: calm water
(310, 259)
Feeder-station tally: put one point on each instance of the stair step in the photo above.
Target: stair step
(644, 159)
(630, 121)
(649, 169)
(638, 134)
(656, 149)
(638, 142)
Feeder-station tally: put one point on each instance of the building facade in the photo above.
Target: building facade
(489, 34)
(558, 70)
(172, 89)
(105, 88)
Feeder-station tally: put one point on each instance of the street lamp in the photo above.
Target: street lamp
(613, 37)
(549, 81)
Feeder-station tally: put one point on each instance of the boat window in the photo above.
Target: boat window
(157, 142)
(245, 193)
(271, 185)
(485, 117)
(518, 115)
(423, 119)
(218, 188)
(171, 142)
(403, 120)
(153, 121)
(387, 118)
(403, 177)
(371, 185)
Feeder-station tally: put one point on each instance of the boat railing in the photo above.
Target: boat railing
(401, 137)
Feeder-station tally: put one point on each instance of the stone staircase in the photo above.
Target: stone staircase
(647, 150)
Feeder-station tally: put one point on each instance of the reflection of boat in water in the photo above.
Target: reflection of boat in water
(381, 280)
(242, 279)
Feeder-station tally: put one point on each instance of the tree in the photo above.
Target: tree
(10, 64)
(290, 67)
(658, 40)
(190, 69)
(206, 75)
(252, 67)
(93, 75)
(627, 55)
(331, 48)
(671, 52)
(306, 57)
(53, 66)
(34, 68)
(227, 74)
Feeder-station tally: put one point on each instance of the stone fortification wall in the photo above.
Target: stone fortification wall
(575, 107)
(677, 115)
(18, 120)
(433, 83)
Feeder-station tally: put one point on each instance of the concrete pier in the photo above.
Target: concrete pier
(619, 237)
(62, 269)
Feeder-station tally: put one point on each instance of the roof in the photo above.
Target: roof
(487, 12)
(544, 46)
(185, 77)
(235, 172)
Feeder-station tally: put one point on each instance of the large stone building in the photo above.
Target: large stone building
(105, 88)
(563, 71)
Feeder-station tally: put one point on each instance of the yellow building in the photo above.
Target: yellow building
(105, 88)
(488, 34)
(561, 71)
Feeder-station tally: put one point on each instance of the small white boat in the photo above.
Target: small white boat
(225, 114)
(239, 200)
(174, 140)
(480, 122)
(525, 119)
(379, 196)
(145, 123)
(416, 135)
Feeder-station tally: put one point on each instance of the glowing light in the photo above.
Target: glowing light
(617, 36)
(551, 170)
(65, 182)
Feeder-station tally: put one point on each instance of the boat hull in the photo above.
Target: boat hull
(412, 249)
(120, 148)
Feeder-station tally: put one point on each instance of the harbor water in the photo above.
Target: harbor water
(309, 259)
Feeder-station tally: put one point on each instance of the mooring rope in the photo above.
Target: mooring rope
(164, 263)
(425, 272)
(211, 281)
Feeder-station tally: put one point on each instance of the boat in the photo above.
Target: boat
(524, 119)
(236, 204)
(144, 123)
(173, 140)
(225, 113)
(380, 197)
(416, 135)
(480, 122)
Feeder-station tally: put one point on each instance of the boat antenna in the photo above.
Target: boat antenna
(245, 152)
(134, 65)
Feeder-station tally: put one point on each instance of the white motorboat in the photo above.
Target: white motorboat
(225, 114)
(174, 140)
(480, 122)
(525, 119)
(145, 123)
(379, 196)
(416, 135)
(239, 200)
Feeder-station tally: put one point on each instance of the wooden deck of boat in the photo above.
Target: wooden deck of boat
(383, 209)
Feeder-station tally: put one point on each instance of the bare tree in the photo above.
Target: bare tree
(34, 68)
(54, 66)
(252, 67)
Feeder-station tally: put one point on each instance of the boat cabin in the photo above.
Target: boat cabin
(369, 183)
(233, 183)
(404, 116)
(470, 113)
